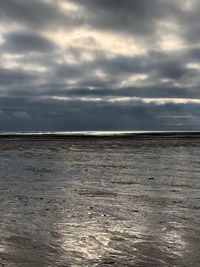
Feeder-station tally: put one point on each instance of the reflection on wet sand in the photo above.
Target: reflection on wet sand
(100, 203)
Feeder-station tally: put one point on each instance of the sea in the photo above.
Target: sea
(97, 199)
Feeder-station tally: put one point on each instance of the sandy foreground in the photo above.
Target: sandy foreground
(72, 203)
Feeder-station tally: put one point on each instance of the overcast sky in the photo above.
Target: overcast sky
(99, 65)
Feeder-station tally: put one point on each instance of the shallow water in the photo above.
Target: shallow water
(100, 203)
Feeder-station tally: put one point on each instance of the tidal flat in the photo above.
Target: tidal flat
(100, 202)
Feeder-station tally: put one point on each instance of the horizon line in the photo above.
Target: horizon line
(93, 134)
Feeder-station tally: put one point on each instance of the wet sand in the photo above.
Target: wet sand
(100, 202)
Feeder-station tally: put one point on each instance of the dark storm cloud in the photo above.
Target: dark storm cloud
(26, 41)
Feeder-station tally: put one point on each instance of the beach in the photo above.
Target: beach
(96, 202)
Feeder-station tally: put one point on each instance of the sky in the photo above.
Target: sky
(116, 65)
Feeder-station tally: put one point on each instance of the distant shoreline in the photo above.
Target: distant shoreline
(94, 135)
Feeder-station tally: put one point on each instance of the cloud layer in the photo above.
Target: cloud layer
(99, 65)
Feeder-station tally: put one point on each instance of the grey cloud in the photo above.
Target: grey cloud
(157, 91)
(21, 115)
(172, 70)
(123, 64)
(156, 65)
(26, 95)
(3, 116)
(102, 90)
(27, 12)
(77, 115)
(189, 21)
(26, 41)
(194, 54)
(15, 76)
(133, 16)
(37, 14)
(69, 71)
(95, 82)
